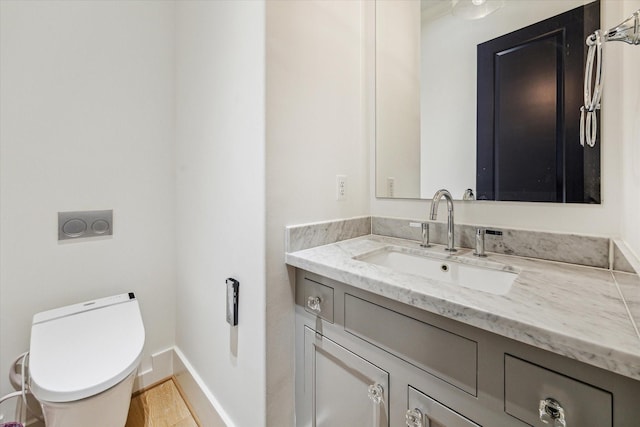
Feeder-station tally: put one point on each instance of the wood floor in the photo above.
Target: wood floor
(160, 406)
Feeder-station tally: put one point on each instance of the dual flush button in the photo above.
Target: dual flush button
(74, 225)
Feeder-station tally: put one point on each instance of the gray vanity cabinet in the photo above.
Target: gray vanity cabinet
(426, 412)
(450, 357)
(364, 360)
(343, 388)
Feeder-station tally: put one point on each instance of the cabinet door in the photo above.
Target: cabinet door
(343, 388)
(423, 411)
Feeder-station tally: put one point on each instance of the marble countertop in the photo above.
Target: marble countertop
(571, 310)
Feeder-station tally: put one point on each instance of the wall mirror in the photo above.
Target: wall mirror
(483, 95)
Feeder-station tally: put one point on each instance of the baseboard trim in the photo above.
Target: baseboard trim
(161, 369)
(176, 383)
(203, 403)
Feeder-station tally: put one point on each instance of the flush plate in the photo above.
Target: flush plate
(81, 224)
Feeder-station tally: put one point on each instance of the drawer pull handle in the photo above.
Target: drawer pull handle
(551, 412)
(375, 393)
(314, 303)
(414, 418)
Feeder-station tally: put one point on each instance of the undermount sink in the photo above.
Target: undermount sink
(490, 277)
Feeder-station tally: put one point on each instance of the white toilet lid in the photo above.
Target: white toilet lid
(83, 349)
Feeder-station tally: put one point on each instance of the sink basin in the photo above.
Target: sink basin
(490, 277)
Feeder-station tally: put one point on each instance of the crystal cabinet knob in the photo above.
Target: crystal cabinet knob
(313, 303)
(413, 418)
(552, 413)
(375, 393)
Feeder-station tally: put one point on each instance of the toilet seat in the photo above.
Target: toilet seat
(81, 350)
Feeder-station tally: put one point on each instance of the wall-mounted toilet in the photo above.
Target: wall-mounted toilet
(83, 360)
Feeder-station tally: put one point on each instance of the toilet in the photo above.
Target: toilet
(83, 359)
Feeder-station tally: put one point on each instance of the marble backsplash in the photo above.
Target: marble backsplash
(620, 260)
(591, 251)
(305, 236)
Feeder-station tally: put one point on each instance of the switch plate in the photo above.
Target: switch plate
(341, 187)
(81, 224)
(391, 186)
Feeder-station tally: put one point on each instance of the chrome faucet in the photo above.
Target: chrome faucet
(434, 213)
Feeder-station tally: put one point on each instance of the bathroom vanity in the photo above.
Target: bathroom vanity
(378, 346)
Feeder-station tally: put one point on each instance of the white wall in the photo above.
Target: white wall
(220, 166)
(315, 130)
(601, 219)
(86, 122)
(397, 32)
(631, 136)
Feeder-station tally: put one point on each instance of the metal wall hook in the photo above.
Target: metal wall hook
(629, 32)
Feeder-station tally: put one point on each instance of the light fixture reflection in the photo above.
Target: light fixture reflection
(475, 9)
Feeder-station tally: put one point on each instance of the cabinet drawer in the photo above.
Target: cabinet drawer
(526, 385)
(448, 356)
(432, 413)
(312, 290)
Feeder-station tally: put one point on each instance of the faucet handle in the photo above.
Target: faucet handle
(424, 226)
(480, 233)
